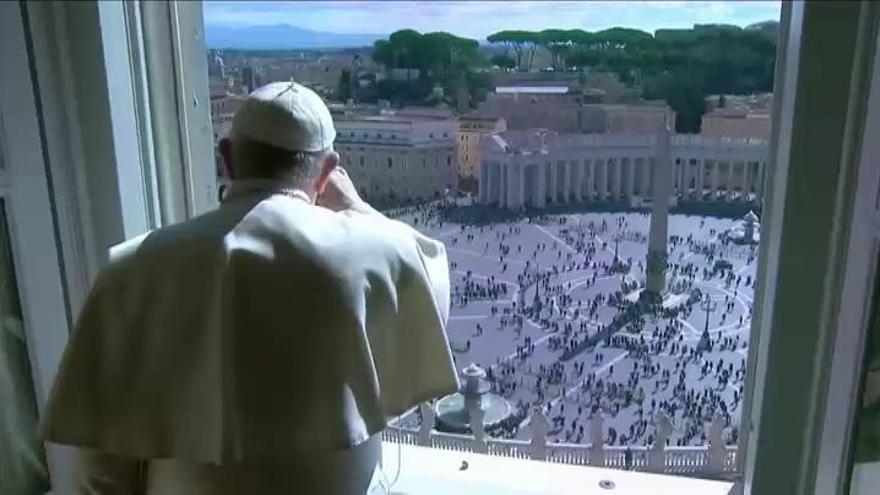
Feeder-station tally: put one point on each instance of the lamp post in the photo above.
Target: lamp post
(537, 282)
(616, 245)
(536, 303)
(709, 306)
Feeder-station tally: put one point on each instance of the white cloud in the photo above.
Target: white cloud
(480, 18)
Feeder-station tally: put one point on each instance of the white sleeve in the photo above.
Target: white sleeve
(425, 368)
(413, 359)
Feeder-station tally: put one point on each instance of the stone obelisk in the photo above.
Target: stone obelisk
(655, 283)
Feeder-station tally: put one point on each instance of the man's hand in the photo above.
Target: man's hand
(339, 193)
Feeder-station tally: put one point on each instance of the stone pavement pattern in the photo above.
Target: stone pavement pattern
(533, 355)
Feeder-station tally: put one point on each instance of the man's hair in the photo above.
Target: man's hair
(264, 161)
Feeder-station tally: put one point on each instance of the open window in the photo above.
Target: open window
(112, 131)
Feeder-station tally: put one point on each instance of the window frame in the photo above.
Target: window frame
(788, 437)
(26, 186)
(171, 35)
(178, 107)
(846, 380)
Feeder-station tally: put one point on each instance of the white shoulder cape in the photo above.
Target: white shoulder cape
(265, 329)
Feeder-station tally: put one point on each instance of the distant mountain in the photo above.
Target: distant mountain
(763, 25)
(282, 37)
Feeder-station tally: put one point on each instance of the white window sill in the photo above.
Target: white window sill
(427, 471)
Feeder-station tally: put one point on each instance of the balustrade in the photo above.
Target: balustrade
(715, 459)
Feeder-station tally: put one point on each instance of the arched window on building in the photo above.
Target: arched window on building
(390, 162)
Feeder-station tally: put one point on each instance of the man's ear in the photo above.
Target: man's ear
(331, 161)
(225, 149)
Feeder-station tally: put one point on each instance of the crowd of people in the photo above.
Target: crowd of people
(576, 291)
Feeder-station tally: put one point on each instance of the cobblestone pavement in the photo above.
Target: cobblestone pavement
(501, 259)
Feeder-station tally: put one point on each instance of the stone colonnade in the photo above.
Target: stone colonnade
(538, 180)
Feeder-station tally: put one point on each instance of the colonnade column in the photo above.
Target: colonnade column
(759, 180)
(514, 186)
(604, 163)
(746, 177)
(566, 182)
(579, 180)
(688, 175)
(483, 182)
(630, 178)
(618, 175)
(541, 184)
(591, 179)
(675, 174)
(701, 178)
(713, 182)
(731, 174)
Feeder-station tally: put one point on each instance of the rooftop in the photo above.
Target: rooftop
(528, 141)
(389, 118)
(553, 90)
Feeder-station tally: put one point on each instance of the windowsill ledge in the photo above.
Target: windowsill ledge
(427, 471)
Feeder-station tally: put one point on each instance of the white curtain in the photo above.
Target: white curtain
(22, 457)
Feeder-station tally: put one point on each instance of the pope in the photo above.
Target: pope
(261, 347)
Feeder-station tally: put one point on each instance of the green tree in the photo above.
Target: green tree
(441, 58)
(559, 42)
(503, 61)
(531, 41)
(343, 89)
(510, 39)
(682, 66)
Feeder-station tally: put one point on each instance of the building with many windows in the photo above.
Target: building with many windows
(737, 122)
(537, 168)
(470, 131)
(561, 109)
(398, 157)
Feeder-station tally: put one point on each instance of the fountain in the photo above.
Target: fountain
(452, 411)
(746, 231)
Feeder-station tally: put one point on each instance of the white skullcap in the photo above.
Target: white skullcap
(285, 115)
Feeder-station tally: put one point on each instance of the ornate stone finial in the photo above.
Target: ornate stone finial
(538, 428)
(751, 217)
(474, 382)
(597, 439)
(427, 424)
(717, 450)
(475, 418)
(657, 455)
(664, 427)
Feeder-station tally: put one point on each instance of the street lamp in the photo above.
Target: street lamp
(616, 245)
(537, 283)
(709, 306)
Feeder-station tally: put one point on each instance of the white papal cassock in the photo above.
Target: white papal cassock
(268, 334)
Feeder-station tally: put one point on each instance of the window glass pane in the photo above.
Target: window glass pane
(23, 467)
(577, 308)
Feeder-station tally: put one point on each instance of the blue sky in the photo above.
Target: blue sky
(477, 19)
